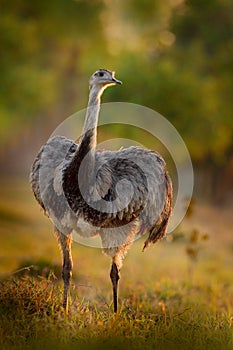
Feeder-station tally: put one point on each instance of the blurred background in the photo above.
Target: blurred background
(174, 56)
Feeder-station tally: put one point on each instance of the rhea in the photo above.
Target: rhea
(118, 195)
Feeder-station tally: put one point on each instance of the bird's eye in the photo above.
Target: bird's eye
(101, 74)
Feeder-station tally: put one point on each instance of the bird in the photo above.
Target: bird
(118, 195)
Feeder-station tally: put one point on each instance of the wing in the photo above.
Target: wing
(134, 184)
(121, 183)
(124, 186)
(46, 174)
(157, 230)
(158, 206)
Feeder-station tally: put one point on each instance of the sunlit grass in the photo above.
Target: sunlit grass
(168, 300)
(168, 316)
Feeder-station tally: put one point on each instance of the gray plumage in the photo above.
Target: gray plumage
(119, 195)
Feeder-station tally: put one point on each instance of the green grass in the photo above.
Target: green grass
(176, 295)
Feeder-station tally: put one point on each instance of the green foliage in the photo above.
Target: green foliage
(41, 44)
(190, 81)
(173, 56)
(204, 45)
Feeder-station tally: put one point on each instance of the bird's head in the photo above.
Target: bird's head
(103, 78)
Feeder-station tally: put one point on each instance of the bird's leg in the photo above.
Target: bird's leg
(114, 275)
(65, 244)
(117, 253)
(66, 275)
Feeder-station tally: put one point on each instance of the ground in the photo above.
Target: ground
(176, 295)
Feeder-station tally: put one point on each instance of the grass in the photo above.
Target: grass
(176, 295)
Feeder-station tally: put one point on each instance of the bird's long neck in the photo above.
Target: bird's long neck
(91, 120)
(82, 166)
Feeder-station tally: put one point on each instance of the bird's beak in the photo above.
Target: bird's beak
(116, 81)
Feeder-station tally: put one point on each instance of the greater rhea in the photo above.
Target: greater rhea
(118, 195)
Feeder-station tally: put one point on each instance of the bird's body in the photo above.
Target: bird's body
(118, 195)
